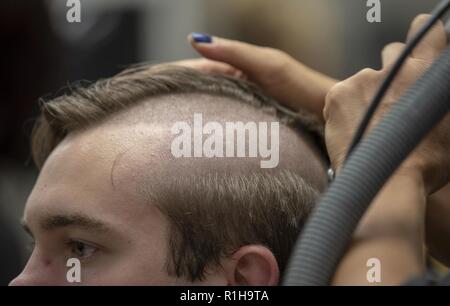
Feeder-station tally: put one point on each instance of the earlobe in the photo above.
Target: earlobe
(253, 265)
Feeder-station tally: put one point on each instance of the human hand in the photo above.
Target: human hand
(347, 102)
(278, 74)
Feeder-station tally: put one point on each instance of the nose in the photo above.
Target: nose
(18, 281)
(37, 272)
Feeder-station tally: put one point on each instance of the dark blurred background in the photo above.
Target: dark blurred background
(41, 53)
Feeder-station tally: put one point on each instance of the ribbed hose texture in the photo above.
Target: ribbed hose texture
(328, 232)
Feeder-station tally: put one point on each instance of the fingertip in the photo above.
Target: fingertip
(391, 53)
(210, 48)
(433, 43)
(200, 38)
(416, 24)
(419, 21)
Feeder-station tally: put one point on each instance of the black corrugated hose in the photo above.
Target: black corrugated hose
(328, 231)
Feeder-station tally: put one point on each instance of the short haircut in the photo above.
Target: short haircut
(219, 212)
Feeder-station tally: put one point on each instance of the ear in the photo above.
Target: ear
(252, 265)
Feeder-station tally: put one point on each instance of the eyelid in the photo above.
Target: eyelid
(26, 229)
(72, 242)
(89, 243)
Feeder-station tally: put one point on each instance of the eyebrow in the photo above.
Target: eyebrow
(53, 222)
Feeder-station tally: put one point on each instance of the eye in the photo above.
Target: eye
(81, 250)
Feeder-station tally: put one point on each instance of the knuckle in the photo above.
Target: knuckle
(280, 59)
(274, 52)
(334, 95)
(367, 73)
(337, 90)
(277, 66)
(367, 76)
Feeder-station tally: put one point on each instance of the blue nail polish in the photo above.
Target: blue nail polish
(201, 38)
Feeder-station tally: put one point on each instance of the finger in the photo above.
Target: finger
(248, 58)
(391, 53)
(211, 67)
(433, 43)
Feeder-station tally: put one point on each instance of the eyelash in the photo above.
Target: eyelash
(74, 244)
(30, 246)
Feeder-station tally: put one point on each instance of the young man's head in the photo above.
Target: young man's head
(115, 192)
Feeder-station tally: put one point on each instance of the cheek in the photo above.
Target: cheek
(150, 263)
(142, 262)
(132, 269)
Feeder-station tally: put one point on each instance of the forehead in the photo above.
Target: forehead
(77, 179)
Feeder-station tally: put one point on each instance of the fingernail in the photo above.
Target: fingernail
(201, 38)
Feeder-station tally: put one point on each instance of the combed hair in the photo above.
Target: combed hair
(86, 106)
